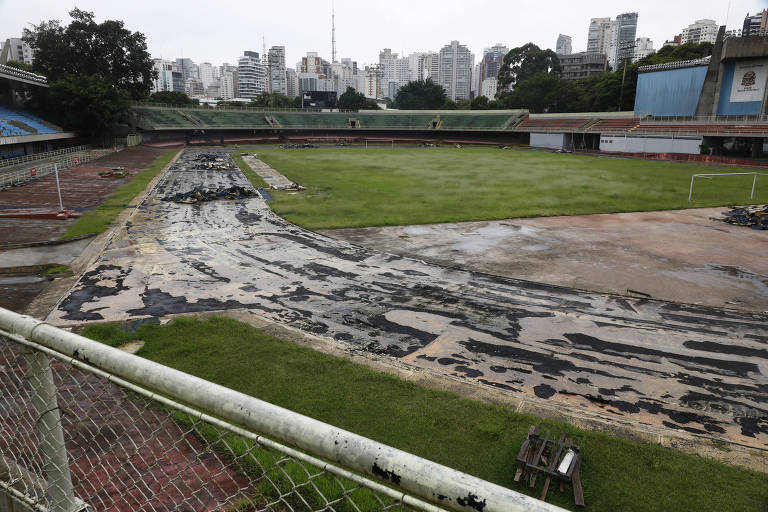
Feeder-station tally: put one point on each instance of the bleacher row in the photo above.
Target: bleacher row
(156, 118)
(18, 123)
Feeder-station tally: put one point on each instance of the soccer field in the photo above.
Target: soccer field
(353, 187)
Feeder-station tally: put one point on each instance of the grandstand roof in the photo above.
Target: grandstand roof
(19, 75)
(704, 61)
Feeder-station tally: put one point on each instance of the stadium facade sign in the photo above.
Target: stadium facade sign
(9, 140)
(749, 79)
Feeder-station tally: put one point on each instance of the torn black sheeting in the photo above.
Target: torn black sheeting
(198, 194)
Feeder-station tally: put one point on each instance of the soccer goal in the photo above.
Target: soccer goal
(378, 143)
(710, 176)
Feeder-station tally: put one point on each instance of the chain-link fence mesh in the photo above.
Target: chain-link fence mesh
(130, 452)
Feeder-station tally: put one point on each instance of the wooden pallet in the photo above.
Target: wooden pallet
(544, 455)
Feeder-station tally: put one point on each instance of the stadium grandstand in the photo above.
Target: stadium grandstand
(693, 107)
(21, 133)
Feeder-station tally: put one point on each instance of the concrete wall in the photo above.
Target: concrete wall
(548, 140)
(620, 143)
(672, 92)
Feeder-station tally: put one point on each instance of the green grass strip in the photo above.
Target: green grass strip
(355, 187)
(99, 219)
(474, 437)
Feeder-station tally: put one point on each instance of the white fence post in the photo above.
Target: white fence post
(59, 480)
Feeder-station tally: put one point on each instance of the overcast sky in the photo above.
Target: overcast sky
(217, 32)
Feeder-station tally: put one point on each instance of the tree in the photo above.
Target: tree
(272, 100)
(87, 103)
(173, 98)
(93, 70)
(523, 62)
(19, 65)
(353, 100)
(107, 50)
(421, 95)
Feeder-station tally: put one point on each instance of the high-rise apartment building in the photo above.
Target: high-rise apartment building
(168, 77)
(563, 46)
(455, 70)
(291, 83)
(15, 48)
(643, 48)
(206, 73)
(756, 24)
(599, 35)
(416, 66)
(623, 33)
(701, 31)
(431, 65)
(278, 81)
(227, 83)
(187, 68)
(251, 75)
(493, 58)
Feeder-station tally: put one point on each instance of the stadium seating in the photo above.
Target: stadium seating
(399, 121)
(478, 121)
(614, 125)
(158, 118)
(563, 124)
(230, 119)
(311, 119)
(699, 128)
(15, 122)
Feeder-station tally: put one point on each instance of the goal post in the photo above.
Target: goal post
(379, 142)
(712, 175)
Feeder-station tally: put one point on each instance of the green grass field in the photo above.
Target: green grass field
(98, 219)
(477, 438)
(353, 187)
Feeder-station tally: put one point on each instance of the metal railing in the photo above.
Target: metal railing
(25, 75)
(14, 178)
(84, 425)
(42, 156)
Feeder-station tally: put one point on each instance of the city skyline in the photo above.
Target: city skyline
(221, 35)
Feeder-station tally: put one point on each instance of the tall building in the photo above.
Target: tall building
(291, 83)
(371, 82)
(168, 77)
(206, 73)
(251, 75)
(416, 66)
(227, 83)
(493, 58)
(15, 48)
(455, 70)
(599, 35)
(623, 33)
(701, 31)
(643, 48)
(312, 63)
(395, 72)
(756, 24)
(578, 66)
(431, 65)
(187, 68)
(563, 46)
(277, 70)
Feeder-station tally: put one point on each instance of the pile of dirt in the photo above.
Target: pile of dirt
(213, 161)
(755, 217)
(200, 195)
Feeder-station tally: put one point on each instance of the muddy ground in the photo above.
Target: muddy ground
(683, 367)
(679, 255)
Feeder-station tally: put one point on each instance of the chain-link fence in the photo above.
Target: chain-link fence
(19, 176)
(88, 427)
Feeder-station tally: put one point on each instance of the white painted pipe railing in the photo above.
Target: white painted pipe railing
(424, 479)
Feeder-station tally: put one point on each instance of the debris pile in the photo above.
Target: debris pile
(755, 217)
(290, 186)
(115, 172)
(199, 195)
(213, 161)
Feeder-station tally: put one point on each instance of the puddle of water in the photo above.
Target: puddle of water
(417, 230)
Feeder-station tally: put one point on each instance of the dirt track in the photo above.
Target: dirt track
(686, 367)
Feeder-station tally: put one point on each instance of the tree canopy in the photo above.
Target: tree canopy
(173, 98)
(353, 100)
(107, 50)
(524, 62)
(93, 70)
(275, 100)
(421, 95)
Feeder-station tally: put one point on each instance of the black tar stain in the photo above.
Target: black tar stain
(471, 500)
(385, 474)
